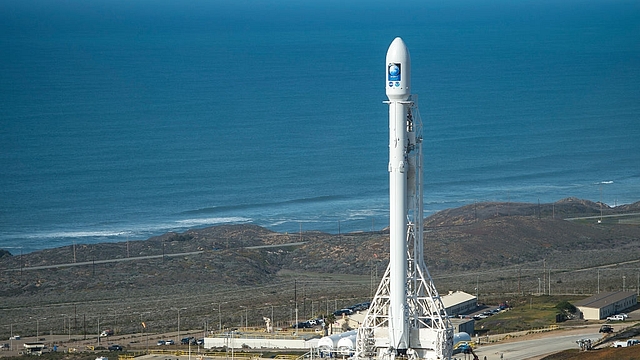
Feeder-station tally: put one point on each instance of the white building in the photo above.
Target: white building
(600, 306)
(459, 303)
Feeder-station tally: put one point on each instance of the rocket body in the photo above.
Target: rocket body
(398, 81)
(406, 319)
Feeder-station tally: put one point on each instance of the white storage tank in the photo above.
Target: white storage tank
(346, 346)
(328, 344)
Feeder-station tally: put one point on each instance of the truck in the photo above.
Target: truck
(107, 332)
(626, 343)
(607, 329)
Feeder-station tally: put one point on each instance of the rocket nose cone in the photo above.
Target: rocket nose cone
(398, 71)
(398, 50)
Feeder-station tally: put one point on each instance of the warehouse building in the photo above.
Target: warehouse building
(459, 303)
(600, 306)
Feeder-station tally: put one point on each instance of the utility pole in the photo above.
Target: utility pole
(544, 270)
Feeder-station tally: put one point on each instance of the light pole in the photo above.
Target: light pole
(219, 317)
(38, 327)
(63, 324)
(296, 321)
(538, 286)
(178, 339)
(144, 327)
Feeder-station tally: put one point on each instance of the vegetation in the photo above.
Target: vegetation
(526, 313)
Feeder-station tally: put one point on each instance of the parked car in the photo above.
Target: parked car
(618, 317)
(115, 348)
(341, 312)
(160, 342)
(187, 340)
(169, 342)
(302, 325)
(15, 337)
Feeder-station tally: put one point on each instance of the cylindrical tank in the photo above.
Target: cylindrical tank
(329, 344)
(346, 346)
(461, 336)
(461, 342)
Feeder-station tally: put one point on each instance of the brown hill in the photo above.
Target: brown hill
(492, 248)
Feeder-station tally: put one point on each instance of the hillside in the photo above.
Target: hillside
(499, 247)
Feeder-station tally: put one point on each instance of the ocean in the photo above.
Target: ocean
(122, 120)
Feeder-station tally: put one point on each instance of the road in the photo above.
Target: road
(94, 262)
(534, 348)
(137, 258)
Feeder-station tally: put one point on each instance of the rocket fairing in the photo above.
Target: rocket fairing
(398, 90)
(398, 74)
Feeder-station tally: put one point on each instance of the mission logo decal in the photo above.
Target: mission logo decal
(394, 72)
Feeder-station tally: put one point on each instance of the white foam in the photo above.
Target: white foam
(77, 234)
(212, 221)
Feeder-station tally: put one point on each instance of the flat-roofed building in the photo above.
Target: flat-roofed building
(459, 303)
(600, 306)
(463, 325)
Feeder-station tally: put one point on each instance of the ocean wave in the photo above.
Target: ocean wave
(225, 208)
(365, 213)
(213, 221)
(77, 234)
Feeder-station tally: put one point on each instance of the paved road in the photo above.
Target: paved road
(86, 263)
(602, 216)
(533, 349)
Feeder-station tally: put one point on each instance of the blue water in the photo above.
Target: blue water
(123, 120)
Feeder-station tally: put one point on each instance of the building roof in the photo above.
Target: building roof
(455, 298)
(603, 299)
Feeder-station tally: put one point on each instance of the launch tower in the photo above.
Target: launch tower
(406, 318)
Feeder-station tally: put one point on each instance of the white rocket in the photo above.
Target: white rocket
(407, 318)
(398, 78)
